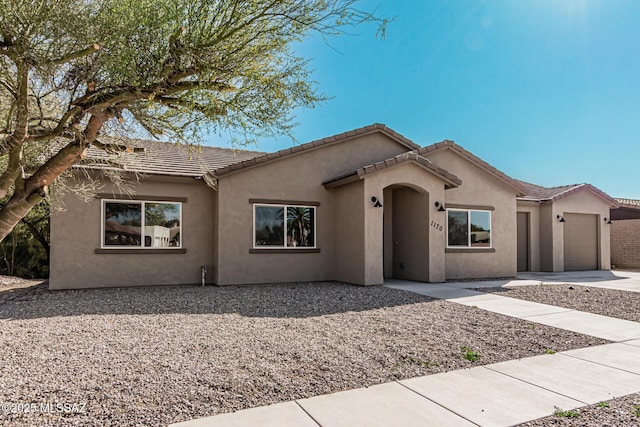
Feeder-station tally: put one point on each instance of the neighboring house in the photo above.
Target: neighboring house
(625, 234)
(358, 207)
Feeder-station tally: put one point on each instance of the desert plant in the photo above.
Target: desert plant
(565, 414)
(469, 354)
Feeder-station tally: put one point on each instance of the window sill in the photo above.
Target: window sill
(124, 251)
(468, 250)
(285, 251)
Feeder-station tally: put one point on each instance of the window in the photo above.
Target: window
(141, 224)
(468, 228)
(282, 226)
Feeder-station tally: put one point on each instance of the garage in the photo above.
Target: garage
(580, 242)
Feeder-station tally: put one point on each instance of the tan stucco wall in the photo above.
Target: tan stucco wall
(76, 234)
(534, 232)
(479, 188)
(388, 232)
(582, 202)
(348, 231)
(300, 178)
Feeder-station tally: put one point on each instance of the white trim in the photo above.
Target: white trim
(142, 204)
(284, 245)
(468, 245)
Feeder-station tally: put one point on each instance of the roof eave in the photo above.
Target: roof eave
(449, 179)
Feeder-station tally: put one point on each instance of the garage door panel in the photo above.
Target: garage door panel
(580, 242)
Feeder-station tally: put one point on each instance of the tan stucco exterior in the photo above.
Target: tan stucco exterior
(547, 232)
(294, 178)
(481, 190)
(76, 235)
(402, 234)
(414, 188)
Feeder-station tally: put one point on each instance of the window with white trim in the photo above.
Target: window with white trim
(148, 225)
(468, 228)
(284, 226)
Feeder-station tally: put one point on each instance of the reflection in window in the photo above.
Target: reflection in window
(162, 225)
(480, 229)
(269, 226)
(458, 228)
(122, 224)
(159, 227)
(284, 226)
(468, 228)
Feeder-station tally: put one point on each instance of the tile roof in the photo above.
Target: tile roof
(450, 179)
(628, 202)
(537, 192)
(551, 194)
(162, 158)
(501, 176)
(377, 127)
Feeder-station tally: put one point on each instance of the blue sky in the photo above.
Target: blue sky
(548, 91)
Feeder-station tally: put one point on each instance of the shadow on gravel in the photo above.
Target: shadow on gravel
(274, 300)
(572, 276)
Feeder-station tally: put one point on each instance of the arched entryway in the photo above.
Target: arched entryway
(406, 233)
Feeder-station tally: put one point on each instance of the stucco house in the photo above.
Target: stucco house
(357, 207)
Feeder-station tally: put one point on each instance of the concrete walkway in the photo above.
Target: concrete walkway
(500, 394)
(619, 279)
(564, 318)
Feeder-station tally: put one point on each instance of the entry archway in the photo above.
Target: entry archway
(406, 233)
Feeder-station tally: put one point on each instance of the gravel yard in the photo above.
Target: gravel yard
(607, 302)
(624, 411)
(152, 356)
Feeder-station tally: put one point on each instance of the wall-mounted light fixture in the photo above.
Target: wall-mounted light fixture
(440, 207)
(560, 218)
(608, 221)
(376, 202)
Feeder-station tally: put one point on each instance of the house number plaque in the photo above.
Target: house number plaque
(436, 226)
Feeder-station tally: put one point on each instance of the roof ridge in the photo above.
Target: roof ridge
(178, 144)
(334, 139)
(501, 176)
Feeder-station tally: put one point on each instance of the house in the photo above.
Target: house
(625, 234)
(357, 207)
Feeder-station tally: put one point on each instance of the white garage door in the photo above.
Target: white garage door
(580, 242)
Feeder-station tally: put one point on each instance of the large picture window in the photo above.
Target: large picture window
(282, 226)
(468, 228)
(141, 224)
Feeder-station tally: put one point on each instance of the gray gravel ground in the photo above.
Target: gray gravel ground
(624, 411)
(621, 412)
(152, 356)
(607, 302)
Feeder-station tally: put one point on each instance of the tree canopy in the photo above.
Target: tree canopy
(74, 70)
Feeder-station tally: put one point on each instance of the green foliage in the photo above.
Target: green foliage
(636, 408)
(602, 404)
(565, 414)
(72, 71)
(549, 351)
(25, 251)
(469, 354)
